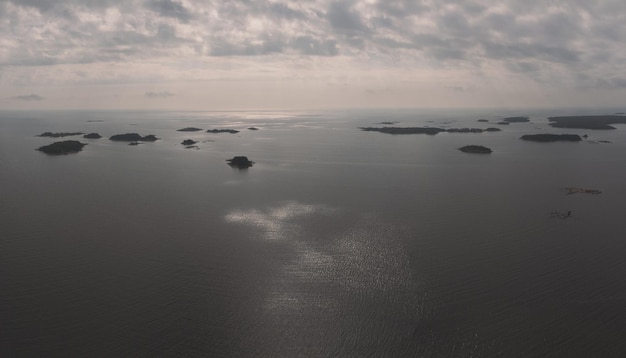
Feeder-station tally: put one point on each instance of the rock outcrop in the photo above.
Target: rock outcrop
(240, 162)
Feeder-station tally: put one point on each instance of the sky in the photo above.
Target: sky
(307, 54)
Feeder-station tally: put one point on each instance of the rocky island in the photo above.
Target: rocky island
(189, 129)
(475, 149)
(231, 131)
(59, 134)
(493, 129)
(64, 147)
(240, 162)
(92, 136)
(551, 137)
(188, 142)
(133, 137)
(587, 122)
(253, 128)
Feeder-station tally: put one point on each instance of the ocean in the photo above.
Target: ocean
(336, 243)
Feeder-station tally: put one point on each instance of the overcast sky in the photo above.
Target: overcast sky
(239, 54)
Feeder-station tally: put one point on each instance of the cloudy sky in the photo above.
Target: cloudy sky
(243, 54)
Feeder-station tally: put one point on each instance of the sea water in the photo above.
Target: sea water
(337, 242)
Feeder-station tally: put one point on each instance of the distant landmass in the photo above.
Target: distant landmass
(92, 136)
(551, 137)
(587, 122)
(479, 149)
(64, 147)
(59, 134)
(425, 130)
(133, 137)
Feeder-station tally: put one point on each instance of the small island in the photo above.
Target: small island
(133, 137)
(240, 162)
(483, 120)
(188, 142)
(493, 129)
(503, 123)
(59, 134)
(64, 147)
(92, 136)
(253, 128)
(479, 149)
(231, 131)
(572, 190)
(189, 129)
(515, 119)
(587, 122)
(551, 137)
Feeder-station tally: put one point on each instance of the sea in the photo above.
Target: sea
(338, 242)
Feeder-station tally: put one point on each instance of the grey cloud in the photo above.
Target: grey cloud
(344, 19)
(169, 8)
(29, 97)
(163, 94)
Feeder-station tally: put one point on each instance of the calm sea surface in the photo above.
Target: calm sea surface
(337, 242)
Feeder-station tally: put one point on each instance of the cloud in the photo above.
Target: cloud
(511, 37)
(163, 94)
(29, 97)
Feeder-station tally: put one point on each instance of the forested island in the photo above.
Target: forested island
(59, 134)
(426, 130)
(231, 131)
(133, 137)
(479, 149)
(64, 147)
(551, 137)
(587, 122)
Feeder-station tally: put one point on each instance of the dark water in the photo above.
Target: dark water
(337, 242)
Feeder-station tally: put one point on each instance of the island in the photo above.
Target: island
(475, 149)
(92, 136)
(587, 122)
(253, 128)
(464, 130)
(388, 122)
(493, 129)
(64, 147)
(240, 162)
(188, 142)
(482, 120)
(515, 119)
(425, 130)
(551, 137)
(189, 129)
(572, 190)
(59, 134)
(503, 123)
(404, 130)
(231, 131)
(133, 137)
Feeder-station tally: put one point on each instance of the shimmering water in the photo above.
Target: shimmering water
(337, 242)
